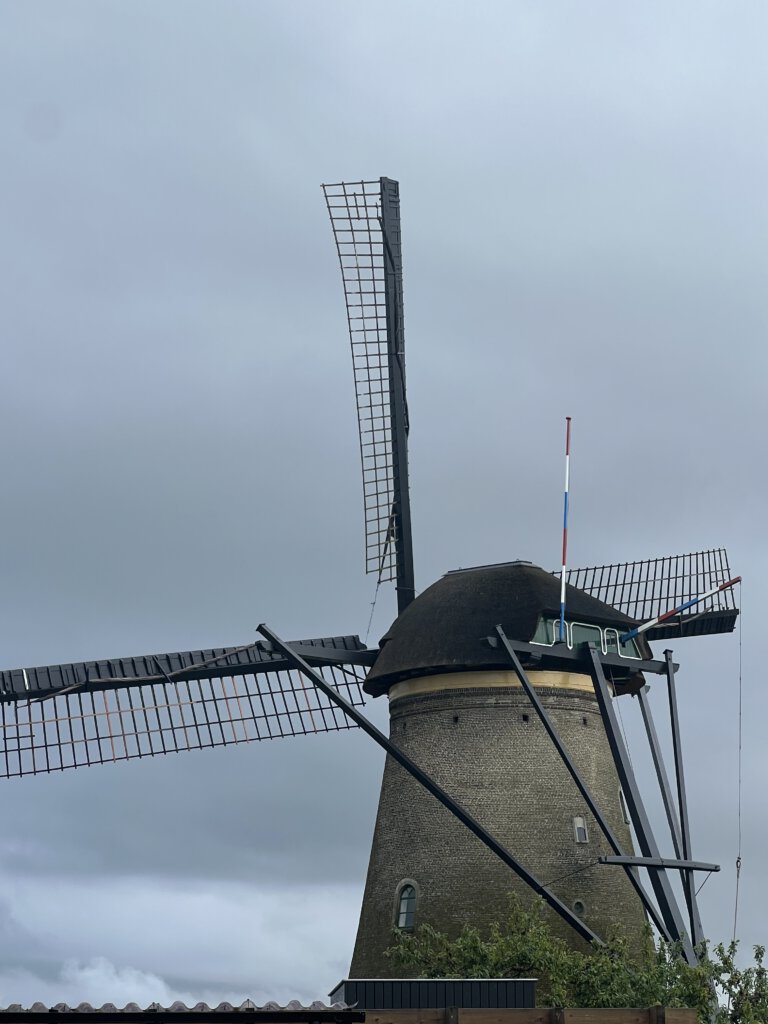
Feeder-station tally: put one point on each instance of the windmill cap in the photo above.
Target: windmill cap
(445, 629)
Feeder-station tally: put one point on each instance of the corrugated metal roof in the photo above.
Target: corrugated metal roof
(294, 1009)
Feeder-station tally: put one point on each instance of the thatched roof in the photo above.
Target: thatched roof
(446, 628)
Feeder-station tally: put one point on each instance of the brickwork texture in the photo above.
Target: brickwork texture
(487, 748)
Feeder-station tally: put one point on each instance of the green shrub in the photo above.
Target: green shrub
(609, 975)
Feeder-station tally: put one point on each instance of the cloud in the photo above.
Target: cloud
(182, 940)
(96, 982)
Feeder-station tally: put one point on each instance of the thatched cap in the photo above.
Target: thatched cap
(446, 628)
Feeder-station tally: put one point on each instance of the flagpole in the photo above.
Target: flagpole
(562, 635)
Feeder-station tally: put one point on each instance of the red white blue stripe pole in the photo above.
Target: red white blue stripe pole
(565, 524)
(680, 608)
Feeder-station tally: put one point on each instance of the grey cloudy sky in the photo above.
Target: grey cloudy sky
(584, 206)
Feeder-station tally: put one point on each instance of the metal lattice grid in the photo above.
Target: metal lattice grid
(646, 589)
(101, 726)
(355, 212)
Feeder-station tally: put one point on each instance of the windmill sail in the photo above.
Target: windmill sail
(646, 589)
(66, 716)
(365, 217)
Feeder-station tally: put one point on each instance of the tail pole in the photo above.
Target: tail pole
(680, 608)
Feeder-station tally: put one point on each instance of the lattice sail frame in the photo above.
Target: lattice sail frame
(98, 723)
(648, 588)
(355, 210)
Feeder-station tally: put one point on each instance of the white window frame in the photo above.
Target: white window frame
(580, 822)
(586, 625)
(553, 625)
(624, 808)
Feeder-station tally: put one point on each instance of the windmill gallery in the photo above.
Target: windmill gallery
(507, 766)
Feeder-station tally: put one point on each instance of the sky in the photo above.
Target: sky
(584, 222)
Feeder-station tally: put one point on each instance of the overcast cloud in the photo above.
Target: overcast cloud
(584, 214)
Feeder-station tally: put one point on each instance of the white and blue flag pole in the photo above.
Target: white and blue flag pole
(565, 524)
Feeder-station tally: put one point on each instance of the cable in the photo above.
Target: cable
(709, 873)
(738, 855)
(373, 607)
(568, 874)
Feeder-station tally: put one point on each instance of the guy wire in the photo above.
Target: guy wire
(373, 607)
(738, 854)
(708, 876)
(576, 871)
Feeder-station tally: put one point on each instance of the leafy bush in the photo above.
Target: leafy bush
(610, 975)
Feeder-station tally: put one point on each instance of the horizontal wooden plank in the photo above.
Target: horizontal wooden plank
(539, 1015)
(460, 1015)
(406, 1017)
(605, 1015)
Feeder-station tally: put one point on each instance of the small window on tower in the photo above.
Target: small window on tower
(406, 909)
(580, 830)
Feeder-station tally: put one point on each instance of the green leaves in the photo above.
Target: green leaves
(611, 975)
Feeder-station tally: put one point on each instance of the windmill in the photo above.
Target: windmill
(507, 768)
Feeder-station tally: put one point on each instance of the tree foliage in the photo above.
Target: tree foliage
(610, 975)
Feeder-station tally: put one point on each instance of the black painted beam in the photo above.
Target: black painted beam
(398, 407)
(212, 663)
(660, 862)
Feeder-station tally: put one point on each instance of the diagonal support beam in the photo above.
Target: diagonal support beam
(645, 837)
(474, 826)
(581, 785)
(689, 889)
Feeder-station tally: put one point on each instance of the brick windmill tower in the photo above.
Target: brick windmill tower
(507, 771)
(458, 709)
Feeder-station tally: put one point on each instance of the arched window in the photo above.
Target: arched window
(406, 908)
